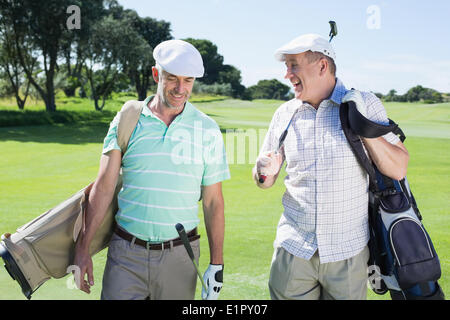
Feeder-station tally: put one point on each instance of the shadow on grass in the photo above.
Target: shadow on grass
(79, 133)
(66, 127)
(57, 133)
(10, 118)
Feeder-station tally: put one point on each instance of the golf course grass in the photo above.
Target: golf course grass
(42, 165)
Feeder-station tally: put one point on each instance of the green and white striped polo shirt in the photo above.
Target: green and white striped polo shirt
(163, 169)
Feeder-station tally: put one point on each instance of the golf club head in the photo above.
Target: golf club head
(333, 29)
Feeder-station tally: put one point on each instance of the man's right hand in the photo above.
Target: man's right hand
(84, 262)
(269, 164)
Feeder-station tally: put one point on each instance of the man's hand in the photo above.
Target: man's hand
(269, 164)
(213, 279)
(84, 262)
(355, 96)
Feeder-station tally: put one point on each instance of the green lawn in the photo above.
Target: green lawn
(42, 165)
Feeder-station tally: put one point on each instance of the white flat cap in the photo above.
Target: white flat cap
(180, 58)
(310, 41)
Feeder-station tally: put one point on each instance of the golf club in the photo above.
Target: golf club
(333, 33)
(333, 30)
(187, 246)
(262, 177)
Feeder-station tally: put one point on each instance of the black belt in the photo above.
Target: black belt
(192, 235)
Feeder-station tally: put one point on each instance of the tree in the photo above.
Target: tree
(212, 60)
(379, 95)
(153, 32)
(12, 70)
(269, 89)
(419, 93)
(74, 44)
(230, 74)
(414, 93)
(391, 95)
(215, 70)
(38, 30)
(113, 44)
(437, 97)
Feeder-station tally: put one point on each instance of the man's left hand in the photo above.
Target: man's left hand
(213, 279)
(355, 96)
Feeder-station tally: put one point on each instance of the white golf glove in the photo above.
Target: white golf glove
(355, 96)
(213, 279)
(269, 164)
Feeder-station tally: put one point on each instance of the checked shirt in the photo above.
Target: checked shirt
(326, 198)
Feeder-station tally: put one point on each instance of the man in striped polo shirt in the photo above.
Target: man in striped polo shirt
(321, 243)
(174, 152)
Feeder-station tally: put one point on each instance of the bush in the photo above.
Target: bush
(269, 89)
(221, 89)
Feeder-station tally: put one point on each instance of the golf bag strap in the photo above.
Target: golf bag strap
(128, 118)
(356, 144)
(365, 127)
(354, 124)
(397, 131)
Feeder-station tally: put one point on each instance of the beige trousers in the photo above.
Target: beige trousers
(293, 278)
(134, 273)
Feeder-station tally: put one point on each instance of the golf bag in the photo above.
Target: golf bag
(402, 260)
(44, 248)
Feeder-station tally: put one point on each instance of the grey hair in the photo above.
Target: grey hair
(160, 70)
(313, 56)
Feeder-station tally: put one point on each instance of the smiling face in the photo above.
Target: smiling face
(303, 75)
(173, 90)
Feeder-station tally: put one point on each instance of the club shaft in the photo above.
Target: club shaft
(187, 246)
(199, 275)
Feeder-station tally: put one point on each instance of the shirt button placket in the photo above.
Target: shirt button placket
(318, 136)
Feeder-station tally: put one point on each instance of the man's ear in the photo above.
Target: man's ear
(323, 63)
(155, 74)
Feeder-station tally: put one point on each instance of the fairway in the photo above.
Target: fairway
(43, 165)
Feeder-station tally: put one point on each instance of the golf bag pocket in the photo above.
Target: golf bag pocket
(415, 259)
(409, 252)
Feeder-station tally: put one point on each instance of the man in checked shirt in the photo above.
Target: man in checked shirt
(321, 243)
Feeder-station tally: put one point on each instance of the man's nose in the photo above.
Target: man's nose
(179, 87)
(288, 74)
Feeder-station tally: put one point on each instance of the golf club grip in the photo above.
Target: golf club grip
(184, 238)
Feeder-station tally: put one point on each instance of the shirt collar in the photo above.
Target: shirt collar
(148, 113)
(338, 92)
(146, 110)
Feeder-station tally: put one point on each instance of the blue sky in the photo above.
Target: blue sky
(381, 45)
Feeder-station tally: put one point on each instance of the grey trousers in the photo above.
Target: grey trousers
(293, 278)
(134, 273)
